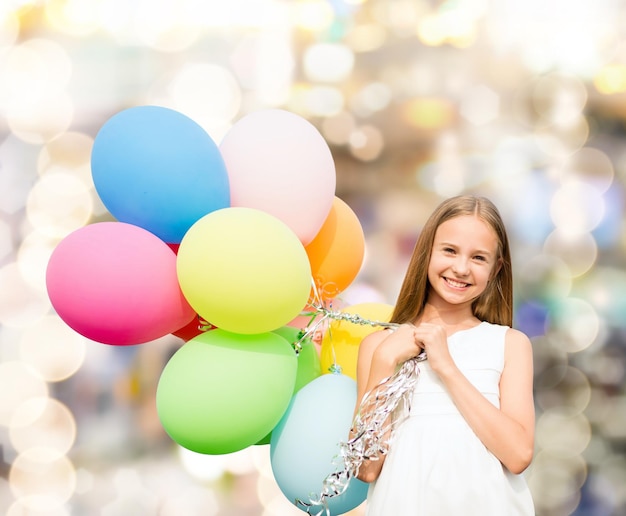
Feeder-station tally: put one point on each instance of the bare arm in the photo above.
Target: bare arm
(508, 432)
(379, 355)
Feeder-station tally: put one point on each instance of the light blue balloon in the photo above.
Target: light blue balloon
(306, 440)
(158, 169)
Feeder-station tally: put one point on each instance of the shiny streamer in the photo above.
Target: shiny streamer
(380, 412)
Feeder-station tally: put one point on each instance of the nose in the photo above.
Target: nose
(460, 266)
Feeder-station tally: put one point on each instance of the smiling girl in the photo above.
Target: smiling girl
(470, 432)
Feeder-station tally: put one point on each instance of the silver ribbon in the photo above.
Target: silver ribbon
(380, 412)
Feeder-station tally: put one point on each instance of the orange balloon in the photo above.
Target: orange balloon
(337, 251)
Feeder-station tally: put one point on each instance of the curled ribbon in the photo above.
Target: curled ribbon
(380, 412)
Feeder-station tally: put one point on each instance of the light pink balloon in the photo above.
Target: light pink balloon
(278, 162)
(116, 283)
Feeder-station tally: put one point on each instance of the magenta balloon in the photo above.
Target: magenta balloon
(279, 163)
(116, 283)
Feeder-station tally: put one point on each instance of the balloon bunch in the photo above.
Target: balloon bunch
(219, 244)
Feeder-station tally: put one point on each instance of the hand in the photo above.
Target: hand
(399, 346)
(433, 339)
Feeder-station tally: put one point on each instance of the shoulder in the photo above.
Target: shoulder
(517, 345)
(371, 341)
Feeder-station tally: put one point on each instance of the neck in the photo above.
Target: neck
(450, 316)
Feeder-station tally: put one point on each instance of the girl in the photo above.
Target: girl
(470, 431)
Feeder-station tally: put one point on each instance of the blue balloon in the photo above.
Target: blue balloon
(158, 169)
(306, 440)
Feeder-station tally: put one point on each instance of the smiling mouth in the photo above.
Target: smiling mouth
(456, 284)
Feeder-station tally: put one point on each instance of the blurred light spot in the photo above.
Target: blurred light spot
(338, 128)
(160, 25)
(576, 208)
(559, 99)
(613, 472)
(605, 289)
(9, 28)
(555, 480)
(74, 17)
(563, 387)
(17, 174)
(371, 98)
(37, 506)
(190, 500)
(328, 62)
(449, 25)
(480, 105)
(35, 70)
(530, 317)
(18, 384)
(42, 120)
(52, 348)
(59, 204)
(578, 251)
(401, 16)
(265, 64)
(132, 496)
(563, 433)
(71, 151)
(429, 113)
(322, 101)
(20, 304)
(240, 462)
(6, 240)
(274, 502)
(207, 93)
(591, 167)
(32, 259)
(576, 323)
(562, 142)
(84, 481)
(366, 37)
(597, 451)
(545, 278)
(313, 15)
(613, 425)
(42, 478)
(42, 422)
(201, 466)
(611, 79)
(366, 143)
(605, 369)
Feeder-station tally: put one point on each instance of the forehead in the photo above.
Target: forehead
(468, 231)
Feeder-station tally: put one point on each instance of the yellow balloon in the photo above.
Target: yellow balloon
(243, 270)
(340, 344)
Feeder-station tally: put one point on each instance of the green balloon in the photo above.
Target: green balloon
(222, 392)
(309, 365)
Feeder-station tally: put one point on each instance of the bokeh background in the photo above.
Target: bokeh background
(523, 102)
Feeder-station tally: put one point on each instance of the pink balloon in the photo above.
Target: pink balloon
(116, 283)
(279, 163)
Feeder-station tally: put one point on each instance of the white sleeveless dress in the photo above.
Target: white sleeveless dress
(437, 466)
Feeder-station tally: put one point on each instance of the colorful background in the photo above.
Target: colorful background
(523, 102)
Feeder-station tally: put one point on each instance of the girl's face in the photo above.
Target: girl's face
(463, 257)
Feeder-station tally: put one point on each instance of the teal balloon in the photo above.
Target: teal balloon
(309, 366)
(158, 169)
(302, 453)
(222, 392)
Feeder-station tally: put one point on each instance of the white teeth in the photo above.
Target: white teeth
(456, 283)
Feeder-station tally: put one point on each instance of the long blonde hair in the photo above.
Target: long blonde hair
(495, 304)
